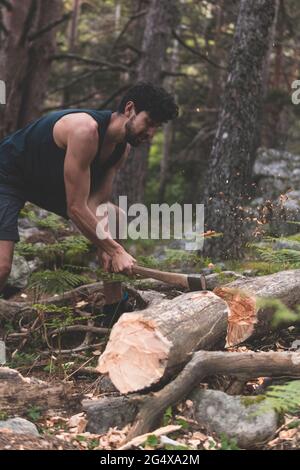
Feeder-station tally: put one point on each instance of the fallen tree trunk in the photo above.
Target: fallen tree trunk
(149, 345)
(17, 393)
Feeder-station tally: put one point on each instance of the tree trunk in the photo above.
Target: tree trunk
(168, 127)
(160, 19)
(151, 344)
(25, 62)
(237, 136)
(72, 44)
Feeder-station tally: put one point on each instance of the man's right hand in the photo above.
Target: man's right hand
(122, 261)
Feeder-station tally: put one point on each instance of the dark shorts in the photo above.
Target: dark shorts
(11, 202)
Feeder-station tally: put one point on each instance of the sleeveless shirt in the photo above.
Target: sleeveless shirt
(33, 165)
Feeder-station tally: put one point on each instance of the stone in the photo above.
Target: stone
(20, 272)
(20, 426)
(227, 415)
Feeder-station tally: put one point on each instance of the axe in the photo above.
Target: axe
(193, 282)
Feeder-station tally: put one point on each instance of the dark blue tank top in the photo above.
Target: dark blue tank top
(32, 163)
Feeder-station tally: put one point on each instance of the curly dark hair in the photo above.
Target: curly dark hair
(155, 100)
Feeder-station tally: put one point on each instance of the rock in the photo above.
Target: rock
(35, 264)
(278, 178)
(20, 273)
(226, 414)
(295, 345)
(287, 245)
(221, 266)
(27, 232)
(105, 413)
(207, 271)
(249, 272)
(276, 171)
(20, 426)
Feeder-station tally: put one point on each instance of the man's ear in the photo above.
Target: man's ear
(129, 109)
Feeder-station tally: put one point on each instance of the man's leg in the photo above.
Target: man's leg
(6, 256)
(11, 202)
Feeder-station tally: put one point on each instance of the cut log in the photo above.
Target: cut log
(247, 314)
(17, 393)
(149, 345)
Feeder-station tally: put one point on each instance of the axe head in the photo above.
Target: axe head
(196, 282)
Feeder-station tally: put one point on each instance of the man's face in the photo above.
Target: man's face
(140, 129)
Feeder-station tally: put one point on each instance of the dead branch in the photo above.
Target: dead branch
(203, 364)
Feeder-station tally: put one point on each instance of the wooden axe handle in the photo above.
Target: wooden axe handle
(169, 278)
(177, 279)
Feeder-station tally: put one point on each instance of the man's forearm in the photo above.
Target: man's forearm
(87, 223)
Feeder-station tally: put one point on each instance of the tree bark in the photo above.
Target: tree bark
(150, 345)
(168, 127)
(25, 60)
(72, 50)
(160, 20)
(237, 136)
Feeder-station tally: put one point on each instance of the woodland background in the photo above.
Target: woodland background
(236, 148)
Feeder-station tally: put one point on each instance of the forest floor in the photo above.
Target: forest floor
(65, 426)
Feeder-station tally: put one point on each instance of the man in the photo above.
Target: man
(66, 161)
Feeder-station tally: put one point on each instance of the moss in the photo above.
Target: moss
(249, 401)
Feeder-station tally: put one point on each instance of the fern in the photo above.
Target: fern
(75, 244)
(51, 222)
(57, 317)
(285, 258)
(283, 398)
(282, 314)
(54, 253)
(55, 282)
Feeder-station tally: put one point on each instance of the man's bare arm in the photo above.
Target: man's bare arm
(104, 192)
(82, 146)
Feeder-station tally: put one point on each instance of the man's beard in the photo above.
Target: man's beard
(131, 138)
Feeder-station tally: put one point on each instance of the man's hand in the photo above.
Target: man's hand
(105, 260)
(121, 261)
